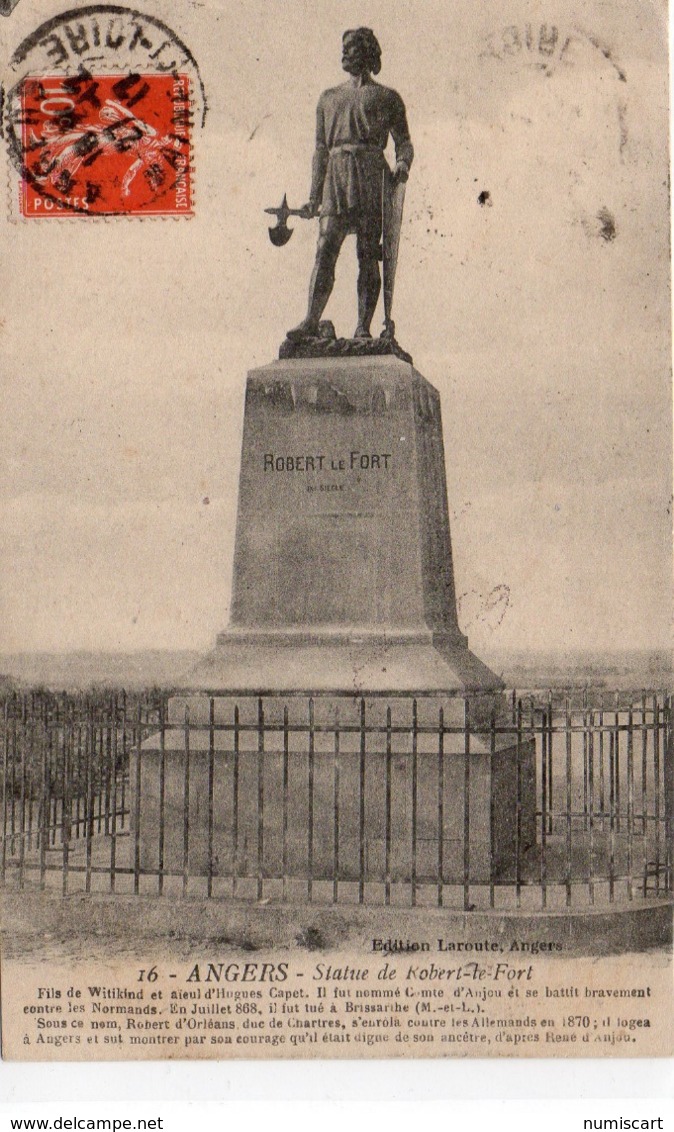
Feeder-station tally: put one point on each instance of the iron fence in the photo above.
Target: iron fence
(551, 800)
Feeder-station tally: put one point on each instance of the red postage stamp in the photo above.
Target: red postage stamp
(106, 145)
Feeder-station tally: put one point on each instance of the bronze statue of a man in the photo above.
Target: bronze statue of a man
(353, 123)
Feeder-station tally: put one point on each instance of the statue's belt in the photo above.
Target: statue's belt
(356, 147)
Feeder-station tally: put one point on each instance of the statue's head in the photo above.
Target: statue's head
(361, 52)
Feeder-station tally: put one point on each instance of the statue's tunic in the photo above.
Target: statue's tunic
(353, 124)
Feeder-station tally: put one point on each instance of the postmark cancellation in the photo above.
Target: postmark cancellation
(99, 117)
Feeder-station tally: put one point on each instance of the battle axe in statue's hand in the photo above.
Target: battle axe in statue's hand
(281, 233)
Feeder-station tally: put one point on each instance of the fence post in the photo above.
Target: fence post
(415, 785)
(602, 768)
(67, 805)
(137, 742)
(235, 802)
(162, 795)
(22, 788)
(211, 788)
(125, 761)
(5, 761)
(335, 844)
(12, 788)
(109, 766)
(44, 801)
(492, 808)
(260, 799)
(669, 791)
(310, 813)
(361, 808)
(585, 759)
(613, 778)
(645, 791)
(545, 735)
(441, 805)
(656, 784)
(551, 732)
(518, 809)
(5, 807)
(568, 735)
(630, 802)
(387, 816)
(113, 797)
(186, 803)
(90, 750)
(590, 781)
(644, 775)
(286, 769)
(77, 768)
(466, 804)
(616, 765)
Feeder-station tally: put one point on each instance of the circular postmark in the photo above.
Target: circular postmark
(99, 113)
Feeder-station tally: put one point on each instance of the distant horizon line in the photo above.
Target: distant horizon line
(167, 649)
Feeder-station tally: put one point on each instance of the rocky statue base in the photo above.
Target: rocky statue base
(343, 577)
(326, 344)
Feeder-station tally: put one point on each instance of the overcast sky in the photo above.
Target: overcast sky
(125, 344)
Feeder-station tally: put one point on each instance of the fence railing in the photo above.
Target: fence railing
(542, 801)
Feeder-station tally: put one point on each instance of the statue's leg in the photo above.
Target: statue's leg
(330, 239)
(369, 279)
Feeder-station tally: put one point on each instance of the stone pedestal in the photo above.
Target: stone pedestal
(343, 573)
(343, 590)
(333, 789)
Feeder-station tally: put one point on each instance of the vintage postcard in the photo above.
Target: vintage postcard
(335, 658)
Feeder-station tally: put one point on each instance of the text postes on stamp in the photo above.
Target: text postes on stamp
(99, 113)
(106, 145)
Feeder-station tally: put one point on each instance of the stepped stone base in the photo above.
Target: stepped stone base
(343, 576)
(343, 583)
(325, 780)
(369, 662)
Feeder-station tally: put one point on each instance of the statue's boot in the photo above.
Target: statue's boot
(307, 328)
